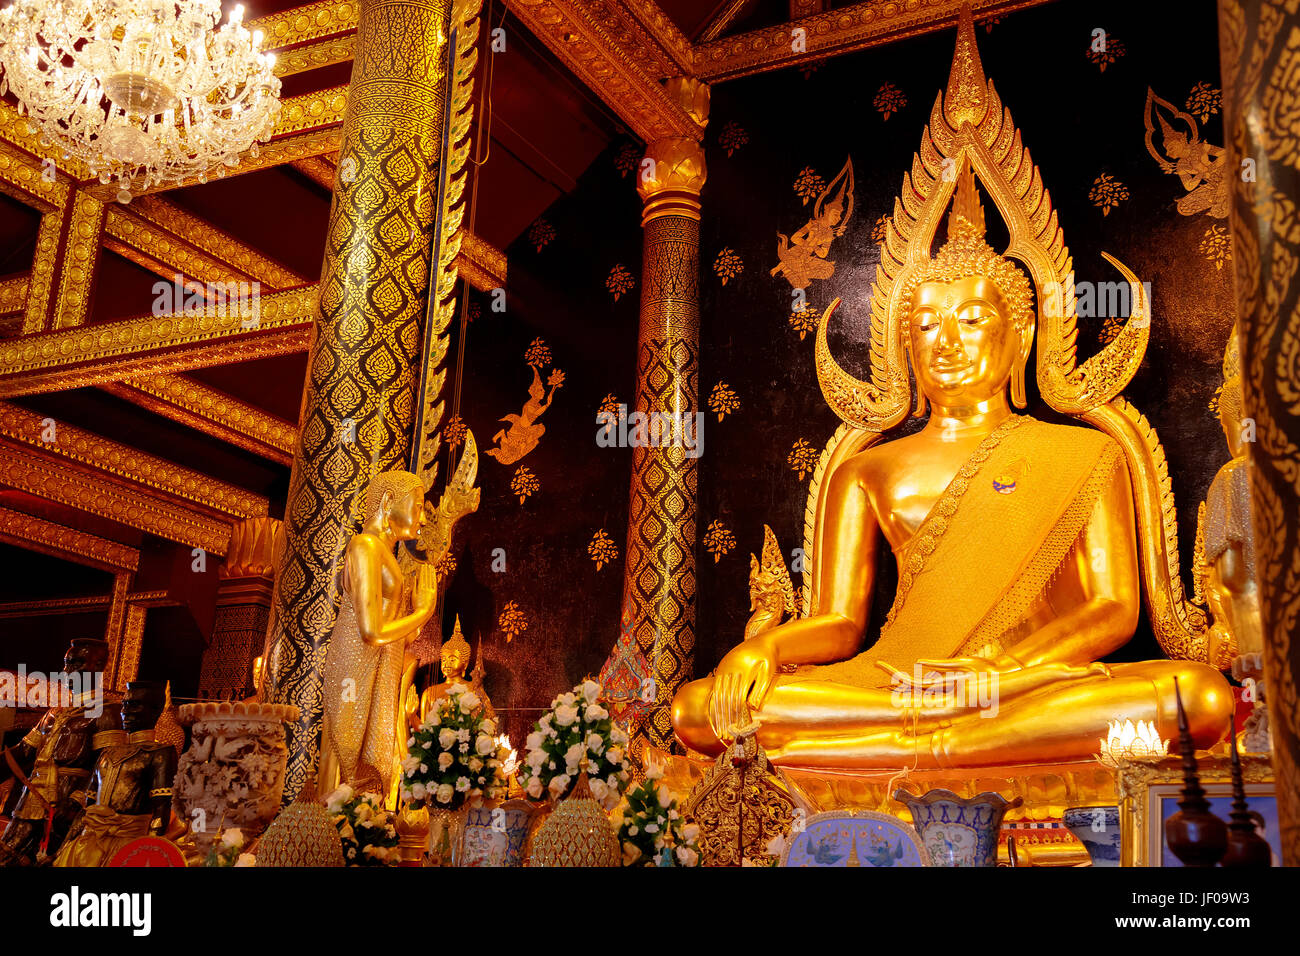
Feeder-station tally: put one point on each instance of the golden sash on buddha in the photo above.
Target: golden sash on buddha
(1029, 488)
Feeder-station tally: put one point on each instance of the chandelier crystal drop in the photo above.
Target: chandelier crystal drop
(147, 92)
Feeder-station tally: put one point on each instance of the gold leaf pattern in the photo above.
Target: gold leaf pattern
(538, 354)
(1111, 50)
(1107, 192)
(524, 483)
(732, 136)
(880, 228)
(540, 234)
(723, 400)
(453, 431)
(628, 159)
(718, 541)
(728, 265)
(802, 458)
(602, 549)
(619, 281)
(808, 184)
(1204, 101)
(804, 321)
(1216, 246)
(889, 100)
(512, 622)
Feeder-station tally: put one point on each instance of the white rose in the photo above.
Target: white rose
(618, 736)
(567, 699)
(445, 793)
(565, 715)
(535, 759)
(445, 760)
(590, 690)
(612, 782)
(488, 727)
(615, 755)
(456, 688)
(573, 756)
(232, 838)
(595, 743)
(475, 764)
(468, 702)
(246, 859)
(598, 789)
(686, 856)
(484, 745)
(534, 741)
(419, 791)
(534, 787)
(665, 796)
(652, 828)
(409, 765)
(596, 712)
(691, 832)
(446, 737)
(559, 784)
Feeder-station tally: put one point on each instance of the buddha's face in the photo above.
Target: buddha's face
(964, 344)
(451, 665)
(406, 515)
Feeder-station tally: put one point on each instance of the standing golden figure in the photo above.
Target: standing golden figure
(364, 662)
(1022, 557)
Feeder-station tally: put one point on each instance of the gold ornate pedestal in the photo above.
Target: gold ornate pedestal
(1047, 791)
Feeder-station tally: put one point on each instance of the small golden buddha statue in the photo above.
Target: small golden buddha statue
(1227, 542)
(454, 659)
(131, 791)
(1017, 541)
(364, 661)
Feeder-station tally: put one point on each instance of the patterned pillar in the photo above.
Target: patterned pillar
(243, 609)
(1260, 54)
(362, 373)
(659, 574)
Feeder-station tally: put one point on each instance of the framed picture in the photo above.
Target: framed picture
(1149, 791)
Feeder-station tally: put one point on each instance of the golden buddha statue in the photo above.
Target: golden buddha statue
(454, 660)
(364, 660)
(1023, 548)
(1226, 540)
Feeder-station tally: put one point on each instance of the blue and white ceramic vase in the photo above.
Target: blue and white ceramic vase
(958, 831)
(1098, 830)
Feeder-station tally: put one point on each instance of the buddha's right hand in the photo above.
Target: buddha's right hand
(741, 684)
(426, 589)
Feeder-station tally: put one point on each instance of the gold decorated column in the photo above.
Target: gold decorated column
(659, 575)
(1259, 51)
(362, 374)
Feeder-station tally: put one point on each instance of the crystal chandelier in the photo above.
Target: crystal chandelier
(147, 92)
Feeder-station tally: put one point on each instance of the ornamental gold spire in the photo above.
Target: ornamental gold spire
(966, 99)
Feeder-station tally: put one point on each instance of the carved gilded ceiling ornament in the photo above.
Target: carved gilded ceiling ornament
(1181, 152)
(803, 254)
(971, 135)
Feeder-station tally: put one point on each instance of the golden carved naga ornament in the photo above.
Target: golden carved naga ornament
(971, 135)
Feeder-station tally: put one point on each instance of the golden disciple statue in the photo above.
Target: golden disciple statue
(364, 661)
(1023, 548)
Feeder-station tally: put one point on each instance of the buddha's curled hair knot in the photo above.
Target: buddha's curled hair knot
(966, 254)
(398, 483)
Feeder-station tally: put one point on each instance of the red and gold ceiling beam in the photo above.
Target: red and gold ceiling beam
(68, 544)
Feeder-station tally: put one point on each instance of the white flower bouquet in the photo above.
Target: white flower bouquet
(227, 850)
(368, 831)
(454, 755)
(651, 831)
(576, 728)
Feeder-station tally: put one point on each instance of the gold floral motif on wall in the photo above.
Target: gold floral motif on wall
(880, 228)
(619, 281)
(1104, 49)
(524, 483)
(512, 622)
(602, 549)
(1199, 166)
(523, 431)
(1107, 192)
(802, 458)
(540, 234)
(445, 566)
(723, 400)
(1204, 100)
(808, 184)
(453, 431)
(728, 265)
(732, 136)
(889, 100)
(803, 255)
(804, 321)
(628, 159)
(718, 541)
(1216, 245)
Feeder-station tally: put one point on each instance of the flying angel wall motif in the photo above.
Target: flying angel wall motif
(803, 255)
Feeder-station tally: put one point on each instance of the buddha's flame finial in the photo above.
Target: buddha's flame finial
(966, 99)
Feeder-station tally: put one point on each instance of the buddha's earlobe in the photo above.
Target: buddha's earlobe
(1018, 383)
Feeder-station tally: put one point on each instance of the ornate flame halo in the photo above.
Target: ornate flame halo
(143, 91)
